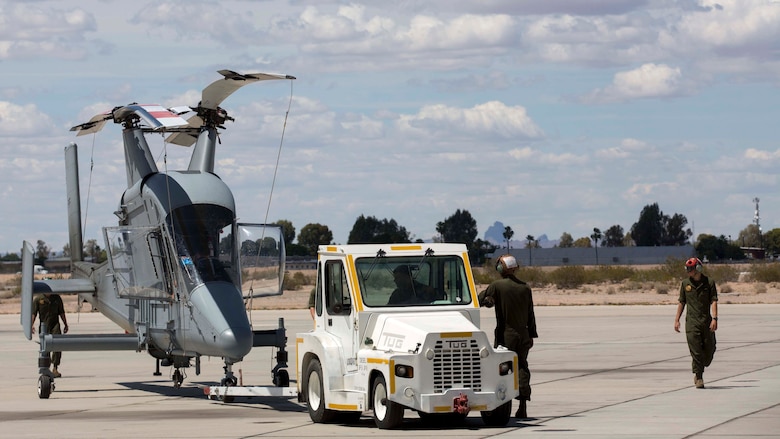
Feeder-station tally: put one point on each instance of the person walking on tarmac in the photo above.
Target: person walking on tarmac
(51, 310)
(700, 294)
(515, 320)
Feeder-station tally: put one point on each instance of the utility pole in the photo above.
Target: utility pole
(757, 219)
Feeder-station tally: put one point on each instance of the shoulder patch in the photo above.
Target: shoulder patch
(688, 288)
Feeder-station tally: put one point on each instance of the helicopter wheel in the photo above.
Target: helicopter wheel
(282, 378)
(45, 386)
(228, 382)
(178, 379)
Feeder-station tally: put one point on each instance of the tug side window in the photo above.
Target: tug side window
(337, 296)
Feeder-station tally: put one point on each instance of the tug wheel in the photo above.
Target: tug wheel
(387, 414)
(498, 417)
(315, 394)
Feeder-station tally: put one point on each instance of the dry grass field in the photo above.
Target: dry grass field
(625, 293)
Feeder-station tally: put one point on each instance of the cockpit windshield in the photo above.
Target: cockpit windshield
(203, 253)
(413, 281)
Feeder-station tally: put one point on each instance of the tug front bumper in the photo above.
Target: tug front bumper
(456, 400)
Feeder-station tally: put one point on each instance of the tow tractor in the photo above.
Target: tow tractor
(396, 328)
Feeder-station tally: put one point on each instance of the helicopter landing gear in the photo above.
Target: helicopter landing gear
(229, 380)
(178, 378)
(45, 386)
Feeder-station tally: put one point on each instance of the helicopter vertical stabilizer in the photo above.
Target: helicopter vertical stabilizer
(74, 202)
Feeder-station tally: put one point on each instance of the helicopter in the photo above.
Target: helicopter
(179, 266)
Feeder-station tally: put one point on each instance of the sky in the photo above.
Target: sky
(548, 116)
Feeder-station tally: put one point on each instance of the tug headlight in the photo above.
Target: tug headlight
(404, 371)
(504, 368)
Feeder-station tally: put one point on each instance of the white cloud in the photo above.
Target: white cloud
(650, 191)
(23, 120)
(765, 157)
(628, 148)
(647, 81)
(29, 30)
(728, 25)
(489, 120)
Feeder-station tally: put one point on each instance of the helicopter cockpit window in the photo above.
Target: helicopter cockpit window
(413, 281)
(196, 233)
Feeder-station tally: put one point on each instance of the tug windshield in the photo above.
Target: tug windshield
(413, 281)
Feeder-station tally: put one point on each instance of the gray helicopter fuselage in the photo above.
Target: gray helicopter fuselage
(172, 270)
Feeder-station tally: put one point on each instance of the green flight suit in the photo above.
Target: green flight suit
(698, 297)
(49, 307)
(515, 323)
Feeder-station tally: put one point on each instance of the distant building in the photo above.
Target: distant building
(553, 257)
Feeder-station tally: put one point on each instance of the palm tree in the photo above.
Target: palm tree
(596, 236)
(508, 234)
(530, 240)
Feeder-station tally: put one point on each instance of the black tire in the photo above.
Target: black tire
(498, 417)
(282, 378)
(178, 379)
(315, 394)
(387, 414)
(228, 382)
(44, 386)
(348, 417)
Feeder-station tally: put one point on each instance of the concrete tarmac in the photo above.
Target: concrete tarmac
(597, 372)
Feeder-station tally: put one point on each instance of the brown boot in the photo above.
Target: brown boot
(56, 373)
(698, 381)
(521, 412)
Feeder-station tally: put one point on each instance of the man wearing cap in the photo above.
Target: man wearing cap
(408, 291)
(699, 293)
(515, 320)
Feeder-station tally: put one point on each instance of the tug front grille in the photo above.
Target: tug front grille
(456, 363)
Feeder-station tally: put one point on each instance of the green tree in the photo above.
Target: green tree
(460, 227)
(654, 228)
(772, 241)
(92, 249)
(649, 230)
(717, 248)
(482, 248)
(750, 236)
(566, 240)
(583, 242)
(508, 234)
(613, 237)
(529, 244)
(11, 257)
(313, 235)
(288, 231)
(675, 232)
(41, 252)
(371, 230)
(250, 248)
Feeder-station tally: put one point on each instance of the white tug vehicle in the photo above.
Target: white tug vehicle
(397, 327)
